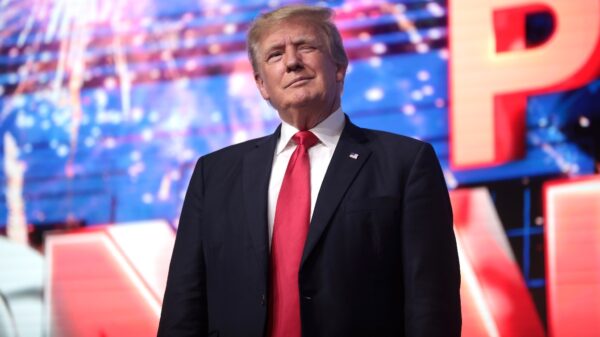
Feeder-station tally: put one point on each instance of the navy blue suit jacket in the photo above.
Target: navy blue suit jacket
(380, 258)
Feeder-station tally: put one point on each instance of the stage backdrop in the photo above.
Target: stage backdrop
(106, 105)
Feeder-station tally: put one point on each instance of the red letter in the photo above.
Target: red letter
(107, 281)
(495, 299)
(490, 73)
(573, 257)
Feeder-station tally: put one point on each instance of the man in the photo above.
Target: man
(321, 229)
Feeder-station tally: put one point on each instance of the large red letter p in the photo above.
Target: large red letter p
(489, 79)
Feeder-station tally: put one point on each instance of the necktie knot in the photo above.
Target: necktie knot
(305, 138)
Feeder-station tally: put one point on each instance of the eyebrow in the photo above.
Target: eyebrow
(295, 41)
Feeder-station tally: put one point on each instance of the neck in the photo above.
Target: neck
(304, 122)
(306, 118)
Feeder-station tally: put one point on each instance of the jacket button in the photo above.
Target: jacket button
(263, 299)
(308, 298)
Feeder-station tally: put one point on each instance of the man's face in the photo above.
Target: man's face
(297, 74)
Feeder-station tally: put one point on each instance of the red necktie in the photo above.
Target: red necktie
(290, 227)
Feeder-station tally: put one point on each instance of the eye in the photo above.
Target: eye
(274, 56)
(307, 47)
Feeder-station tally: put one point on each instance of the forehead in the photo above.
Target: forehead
(293, 30)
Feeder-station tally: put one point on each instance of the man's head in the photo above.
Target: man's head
(319, 17)
(299, 62)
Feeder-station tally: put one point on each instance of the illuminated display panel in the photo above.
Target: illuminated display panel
(106, 105)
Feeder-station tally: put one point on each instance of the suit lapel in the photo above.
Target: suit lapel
(350, 154)
(256, 172)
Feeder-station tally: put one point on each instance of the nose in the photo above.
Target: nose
(293, 60)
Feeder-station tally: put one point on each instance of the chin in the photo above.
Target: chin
(303, 104)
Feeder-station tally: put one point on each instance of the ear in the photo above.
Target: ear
(260, 84)
(340, 73)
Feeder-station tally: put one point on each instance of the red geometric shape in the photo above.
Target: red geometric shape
(94, 289)
(495, 299)
(572, 212)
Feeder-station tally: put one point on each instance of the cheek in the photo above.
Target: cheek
(270, 83)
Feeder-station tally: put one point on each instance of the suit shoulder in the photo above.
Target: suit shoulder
(393, 140)
(226, 163)
(235, 150)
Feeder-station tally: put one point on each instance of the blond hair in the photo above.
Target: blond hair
(320, 17)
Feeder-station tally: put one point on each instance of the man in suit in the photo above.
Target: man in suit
(320, 229)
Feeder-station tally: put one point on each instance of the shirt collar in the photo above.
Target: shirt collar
(328, 131)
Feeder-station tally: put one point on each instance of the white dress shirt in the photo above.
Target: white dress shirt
(328, 132)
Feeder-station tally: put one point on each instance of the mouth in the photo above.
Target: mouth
(298, 82)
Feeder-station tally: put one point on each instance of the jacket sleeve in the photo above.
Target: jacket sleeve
(430, 258)
(184, 305)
